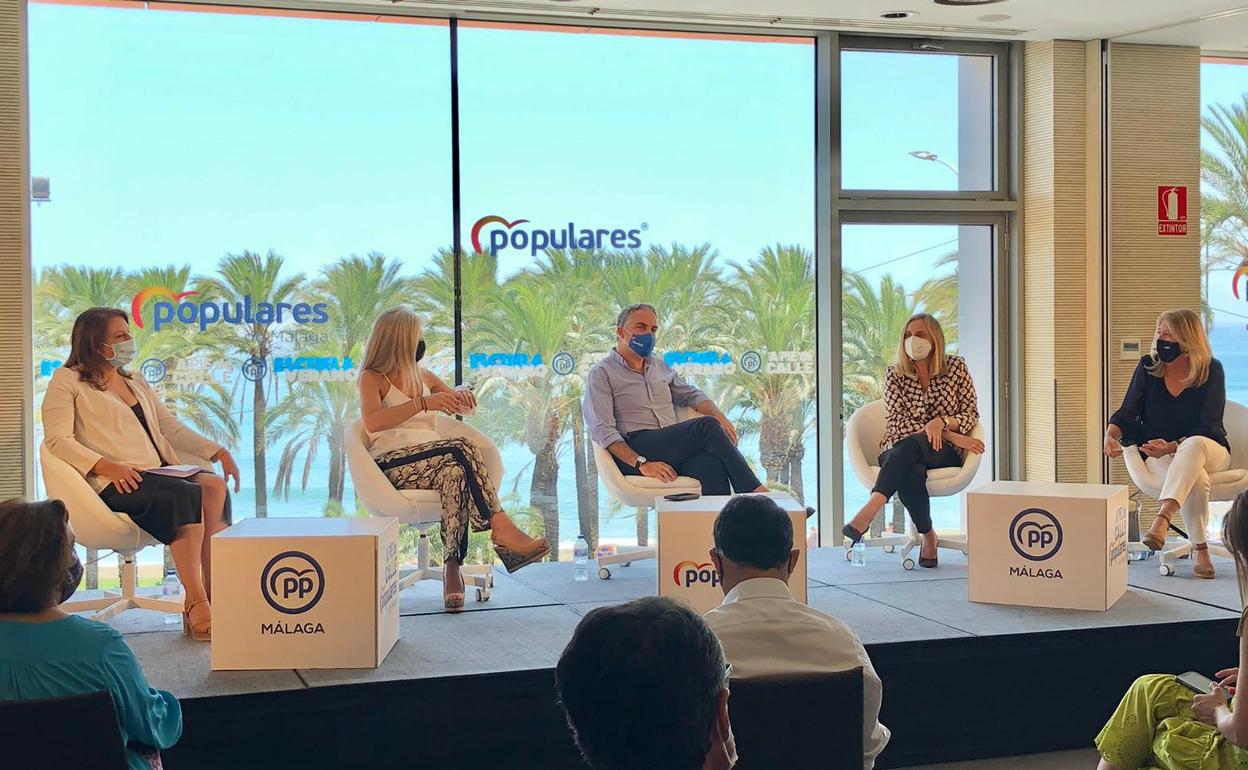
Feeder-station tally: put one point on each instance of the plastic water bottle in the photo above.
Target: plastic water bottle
(858, 554)
(580, 558)
(171, 590)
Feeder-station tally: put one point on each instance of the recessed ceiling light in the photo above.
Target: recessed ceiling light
(996, 17)
(898, 15)
(967, 2)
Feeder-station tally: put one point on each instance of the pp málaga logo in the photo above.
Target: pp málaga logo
(292, 582)
(1036, 534)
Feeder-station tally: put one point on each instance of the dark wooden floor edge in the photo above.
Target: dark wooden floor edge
(945, 700)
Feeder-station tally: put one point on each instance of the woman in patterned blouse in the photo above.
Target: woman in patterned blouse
(929, 410)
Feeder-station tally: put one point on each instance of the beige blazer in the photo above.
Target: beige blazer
(82, 425)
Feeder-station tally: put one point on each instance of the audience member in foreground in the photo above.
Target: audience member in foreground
(1162, 724)
(400, 401)
(114, 429)
(1172, 414)
(763, 629)
(49, 654)
(929, 412)
(630, 408)
(645, 685)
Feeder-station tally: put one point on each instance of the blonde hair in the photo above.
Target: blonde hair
(1189, 332)
(391, 348)
(904, 364)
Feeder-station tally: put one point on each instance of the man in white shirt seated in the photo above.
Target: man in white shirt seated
(763, 629)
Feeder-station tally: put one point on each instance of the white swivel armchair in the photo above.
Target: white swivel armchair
(419, 508)
(863, 436)
(1224, 485)
(637, 492)
(98, 527)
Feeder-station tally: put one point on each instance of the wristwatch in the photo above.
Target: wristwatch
(640, 461)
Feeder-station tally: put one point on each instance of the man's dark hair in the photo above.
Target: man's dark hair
(753, 530)
(34, 554)
(622, 318)
(640, 685)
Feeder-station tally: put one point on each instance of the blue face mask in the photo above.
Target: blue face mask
(1168, 350)
(642, 344)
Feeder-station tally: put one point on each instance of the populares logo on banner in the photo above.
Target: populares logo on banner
(509, 234)
(1240, 273)
(175, 308)
(689, 573)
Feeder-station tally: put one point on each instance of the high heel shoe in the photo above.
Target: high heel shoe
(930, 562)
(200, 632)
(1202, 572)
(1156, 542)
(515, 558)
(851, 533)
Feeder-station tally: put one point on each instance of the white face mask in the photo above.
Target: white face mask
(123, 352)
(918, 348)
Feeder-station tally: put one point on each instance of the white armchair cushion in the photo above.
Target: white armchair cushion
(1224, 485)
(411, 506)
(864, 434)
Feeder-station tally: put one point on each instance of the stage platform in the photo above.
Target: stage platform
(961, 680)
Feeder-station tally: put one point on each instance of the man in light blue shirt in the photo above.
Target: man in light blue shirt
(630, 409)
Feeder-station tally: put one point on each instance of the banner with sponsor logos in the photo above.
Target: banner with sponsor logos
(305, 593)
(1047, 545)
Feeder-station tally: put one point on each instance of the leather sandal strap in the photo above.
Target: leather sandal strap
(1200, 547)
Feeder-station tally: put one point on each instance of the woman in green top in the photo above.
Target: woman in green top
(1161, 724)
(50, 654)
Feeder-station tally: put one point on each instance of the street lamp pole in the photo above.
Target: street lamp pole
(925, 155)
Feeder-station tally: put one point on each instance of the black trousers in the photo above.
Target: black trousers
(903, 472)
(699, 449)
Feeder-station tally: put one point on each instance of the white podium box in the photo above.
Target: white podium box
(686, 534)
(1047, 545)
(305, 593)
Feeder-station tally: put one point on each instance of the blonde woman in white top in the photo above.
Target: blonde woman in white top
(400, 400)
(113, 427)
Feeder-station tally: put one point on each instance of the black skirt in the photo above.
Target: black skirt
(160, 505)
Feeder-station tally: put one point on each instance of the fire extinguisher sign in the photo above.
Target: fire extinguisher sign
(1172, 210)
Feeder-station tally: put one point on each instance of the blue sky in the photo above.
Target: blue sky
(175, 137)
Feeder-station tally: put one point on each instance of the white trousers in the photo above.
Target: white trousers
(1186, 474)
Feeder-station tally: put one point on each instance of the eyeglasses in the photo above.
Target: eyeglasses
(727, 673)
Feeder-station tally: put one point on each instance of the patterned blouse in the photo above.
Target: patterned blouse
(907, 407)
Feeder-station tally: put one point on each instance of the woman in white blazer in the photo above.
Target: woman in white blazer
(113, 427)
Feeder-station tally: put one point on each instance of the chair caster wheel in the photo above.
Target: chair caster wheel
(890, 548)
(604, 573)
(627, 564)
(491, 581)
(483, 594)
(907, 564)
(1166, 570)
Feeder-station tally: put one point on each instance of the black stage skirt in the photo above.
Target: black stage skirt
(161, 505)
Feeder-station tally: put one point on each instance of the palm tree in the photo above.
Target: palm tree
(250, 275)
(356, 290)
(873, 320)
(773, 302)
(939, 296)
(316, 412)
(683, 283)
(1224, 206)
(531, 317)
(60, 294)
